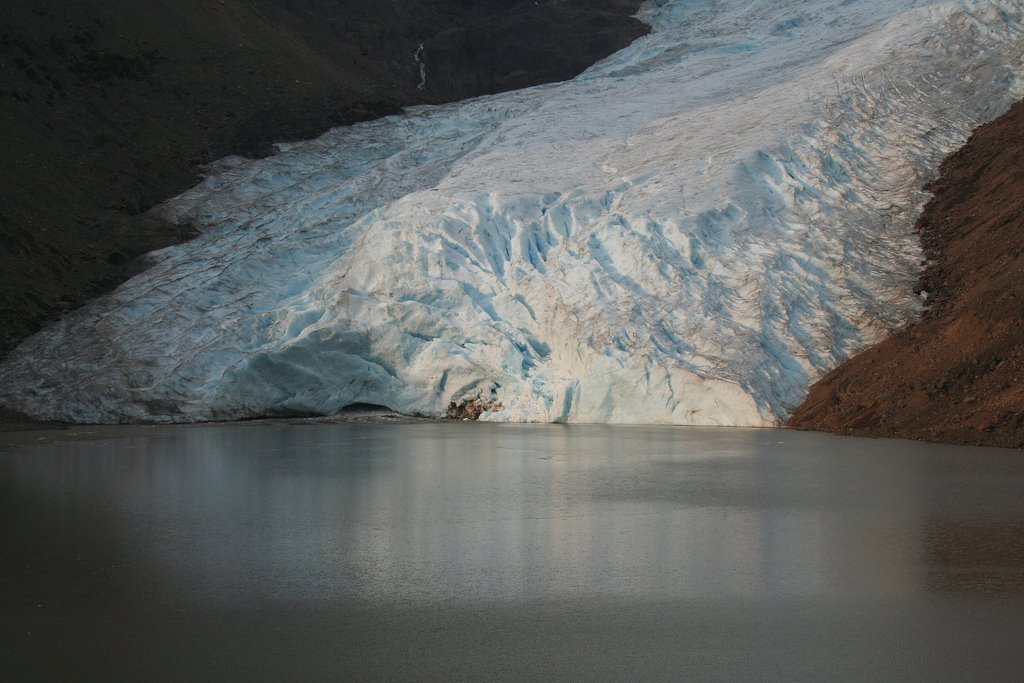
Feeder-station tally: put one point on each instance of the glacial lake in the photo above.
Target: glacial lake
(465, 551)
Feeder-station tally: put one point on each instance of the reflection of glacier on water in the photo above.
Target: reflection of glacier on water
(689, 232)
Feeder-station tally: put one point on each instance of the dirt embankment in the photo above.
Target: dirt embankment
(957, 375)
(108, 107)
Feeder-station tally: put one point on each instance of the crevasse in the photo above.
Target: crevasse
(690, 232)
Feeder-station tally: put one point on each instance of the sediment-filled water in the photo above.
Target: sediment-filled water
(472, 551)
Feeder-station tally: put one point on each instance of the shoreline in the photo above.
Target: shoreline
(15, 431)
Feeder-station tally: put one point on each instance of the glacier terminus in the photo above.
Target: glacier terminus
(690, 232)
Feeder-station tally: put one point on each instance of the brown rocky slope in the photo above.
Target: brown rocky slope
(956, 374)
(108, 107)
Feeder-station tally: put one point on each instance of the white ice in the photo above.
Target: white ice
(690, 232)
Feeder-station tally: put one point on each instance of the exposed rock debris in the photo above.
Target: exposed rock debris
(471, 409)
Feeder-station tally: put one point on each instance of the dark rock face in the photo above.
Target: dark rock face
(957, 375)
(107, 107)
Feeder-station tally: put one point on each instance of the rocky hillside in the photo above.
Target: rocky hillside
(957, 375)
(108, 107)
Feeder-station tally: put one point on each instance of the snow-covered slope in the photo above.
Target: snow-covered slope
(690, 232)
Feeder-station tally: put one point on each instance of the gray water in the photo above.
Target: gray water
(472, 551)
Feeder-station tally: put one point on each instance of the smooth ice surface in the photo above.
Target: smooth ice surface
(691, 231)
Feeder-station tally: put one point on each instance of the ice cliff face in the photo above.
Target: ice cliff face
(690, 232)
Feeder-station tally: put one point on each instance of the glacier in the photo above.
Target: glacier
(690, 232)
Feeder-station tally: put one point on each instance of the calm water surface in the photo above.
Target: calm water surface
(471, 551)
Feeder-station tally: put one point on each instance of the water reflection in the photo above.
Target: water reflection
(975, 557)
(245, 514)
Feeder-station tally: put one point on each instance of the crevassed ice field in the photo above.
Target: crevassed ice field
(690, 232)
